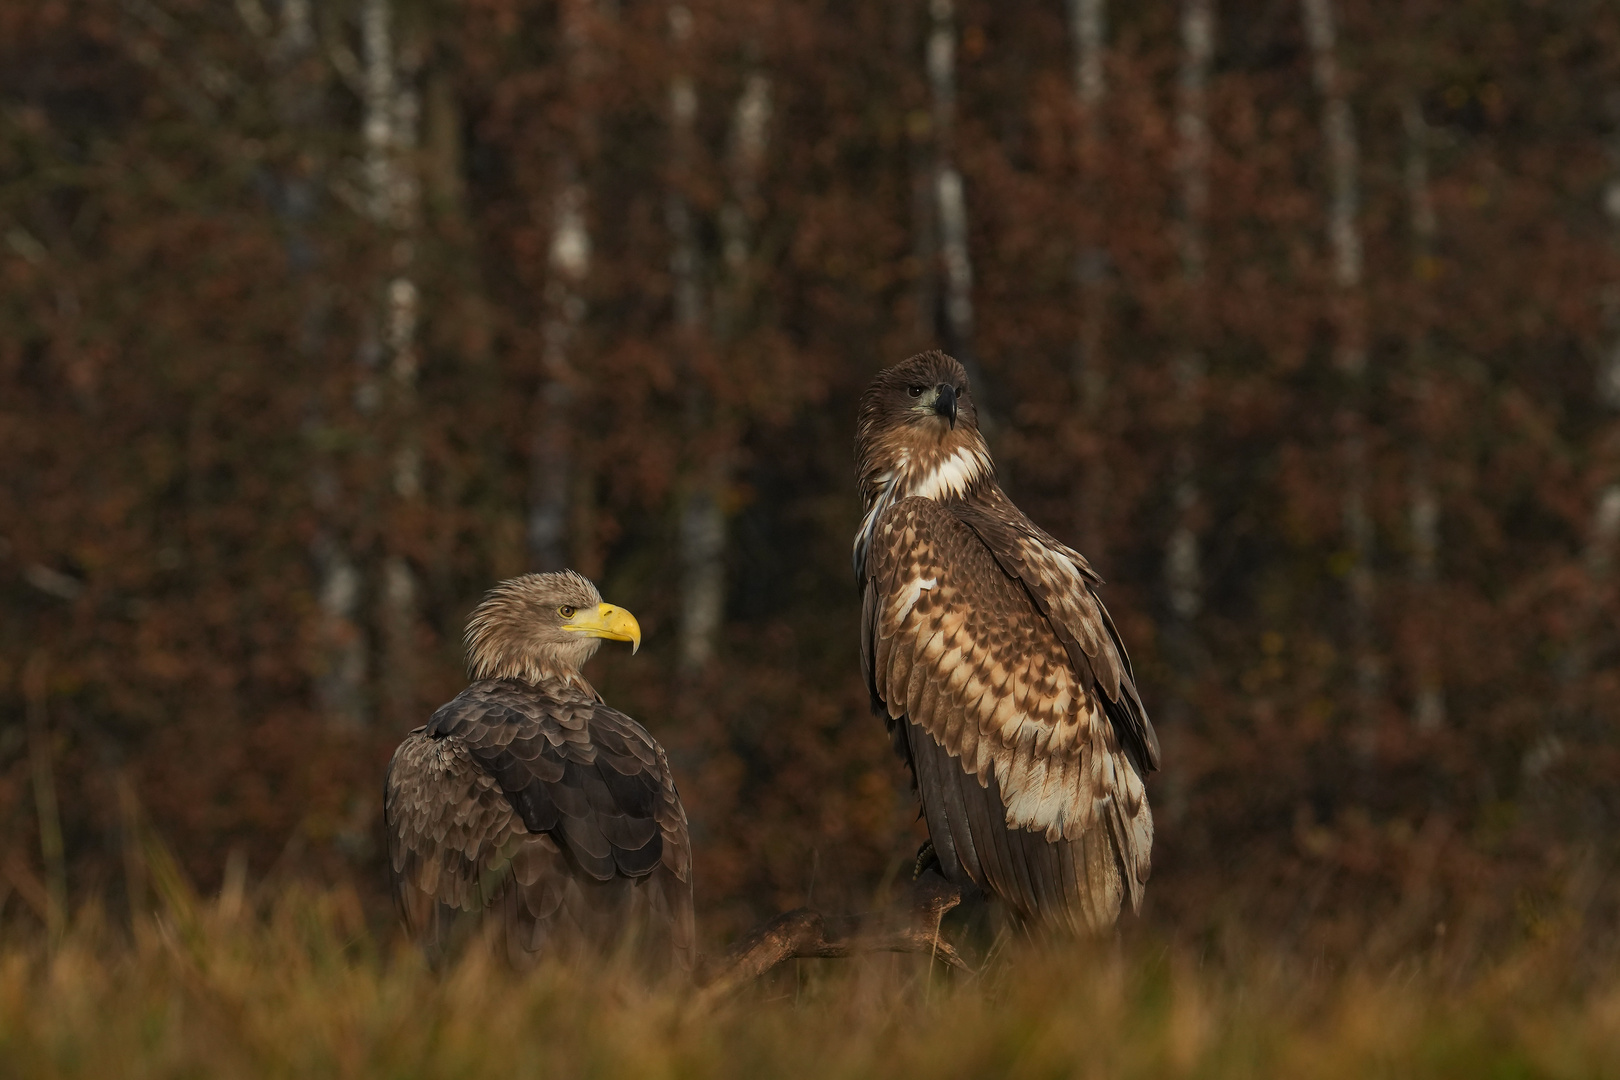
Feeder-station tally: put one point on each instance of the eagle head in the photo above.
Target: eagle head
(926, 397)
(543, 626)
(917, 434)
(917, 418)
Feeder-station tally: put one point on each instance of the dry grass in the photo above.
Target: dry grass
(304, 989)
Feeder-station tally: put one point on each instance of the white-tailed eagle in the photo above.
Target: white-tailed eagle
(530, 805)
(1004, 683)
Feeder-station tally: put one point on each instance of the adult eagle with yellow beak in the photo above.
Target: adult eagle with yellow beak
(1004, 683)
(528, 802)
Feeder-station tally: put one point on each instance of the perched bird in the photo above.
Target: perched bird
(1004, 683)
(528, 802)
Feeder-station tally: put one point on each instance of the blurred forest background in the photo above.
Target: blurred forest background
(1300, 319)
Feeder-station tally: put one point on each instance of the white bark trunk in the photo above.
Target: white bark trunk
(702, 532)
(750, 125)
(1087, 27)
(1606, 524)
(1604, 536)
(1609, 369)
(1183, 569)
(1343, 165)
(703, 518)
(950, 200)
(341, 666)
(703, 523)
(1429, 703)
(1350, 353)
(552, 465)
(683, 107)
(389, 131)
(341, 677)
(551, 474)
(703, 578)
(1088, 24)
(1605, 533)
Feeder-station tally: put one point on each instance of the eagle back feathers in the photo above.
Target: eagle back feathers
(546, 806)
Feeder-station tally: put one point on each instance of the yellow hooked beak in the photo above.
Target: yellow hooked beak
(607, 621)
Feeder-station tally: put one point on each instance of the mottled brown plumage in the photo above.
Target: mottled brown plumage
(529, 804)
(1003, 680)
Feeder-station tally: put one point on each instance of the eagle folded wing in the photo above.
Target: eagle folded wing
(1059, 581)
(549, 811)
(955, 644)
(452, 834)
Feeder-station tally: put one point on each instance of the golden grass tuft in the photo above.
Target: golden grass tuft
(301, 987)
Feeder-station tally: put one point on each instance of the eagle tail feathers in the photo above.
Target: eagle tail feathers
(1075, 879)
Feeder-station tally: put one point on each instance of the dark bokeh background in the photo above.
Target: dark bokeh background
(317, 318)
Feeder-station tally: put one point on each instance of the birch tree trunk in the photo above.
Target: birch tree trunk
(702, 534)
(703, 524)
(950, 201)
(341, 666)
(1423, 513)
(739, 217)
(1183, 573)
(1088, 28)
(389, 128)
(1350, 354)
(1182, 569)
(924, 219)
(1604, 536)
(1579, 725)
(683, 106)
(552, 465)
(1606, 519)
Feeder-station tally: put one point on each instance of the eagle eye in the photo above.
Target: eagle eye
(915, 391)
(566, 611)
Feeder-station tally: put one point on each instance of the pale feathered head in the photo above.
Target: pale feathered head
(543, 626)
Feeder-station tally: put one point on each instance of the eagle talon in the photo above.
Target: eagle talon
(927, 859)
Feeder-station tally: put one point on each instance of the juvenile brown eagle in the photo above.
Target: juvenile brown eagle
(1005, 686)
(528, 800)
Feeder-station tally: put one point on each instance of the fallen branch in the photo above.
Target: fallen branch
(806, 933)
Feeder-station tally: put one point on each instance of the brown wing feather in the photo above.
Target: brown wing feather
(1019, 765)
(1060, 582)
(555, 813)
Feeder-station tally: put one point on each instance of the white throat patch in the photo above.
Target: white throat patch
(952, 477)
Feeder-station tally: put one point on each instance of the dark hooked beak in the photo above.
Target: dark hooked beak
(945, 403)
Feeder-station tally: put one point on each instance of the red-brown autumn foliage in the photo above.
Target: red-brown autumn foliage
(202, 397)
